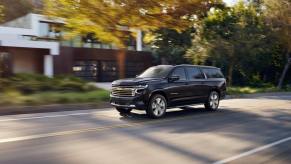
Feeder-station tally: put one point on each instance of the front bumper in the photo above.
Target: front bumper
(136, 102)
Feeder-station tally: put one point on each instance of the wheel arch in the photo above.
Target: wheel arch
(161, 93)
(217, 90)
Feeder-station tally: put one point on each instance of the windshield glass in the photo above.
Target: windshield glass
(160, 71)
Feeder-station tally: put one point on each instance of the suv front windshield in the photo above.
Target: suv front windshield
(160, 71)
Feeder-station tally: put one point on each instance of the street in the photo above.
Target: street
(249, 130)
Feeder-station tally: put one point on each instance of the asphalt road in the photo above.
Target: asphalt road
(254, 130)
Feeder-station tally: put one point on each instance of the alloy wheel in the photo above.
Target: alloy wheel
(214, 100)
(158, 107)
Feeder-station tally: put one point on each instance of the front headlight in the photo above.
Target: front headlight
(140, 89)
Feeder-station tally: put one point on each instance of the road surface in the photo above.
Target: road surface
(254, 130)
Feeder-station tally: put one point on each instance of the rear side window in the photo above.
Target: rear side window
(212, 73)
(179, 72)
(194, 73)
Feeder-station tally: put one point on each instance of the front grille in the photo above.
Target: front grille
(122, 91)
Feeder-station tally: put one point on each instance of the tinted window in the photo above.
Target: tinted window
(212, 73)
(157, 71)
(179, 72)
(194, 73)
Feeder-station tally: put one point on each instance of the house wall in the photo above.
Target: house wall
(26, 60)
(110, 63)
(22, 22)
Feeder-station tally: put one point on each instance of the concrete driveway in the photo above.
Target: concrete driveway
(250, 130)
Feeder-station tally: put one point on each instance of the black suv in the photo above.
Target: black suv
(164, 86)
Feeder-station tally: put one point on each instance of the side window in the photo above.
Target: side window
(213, 73)
(194, 73)
(179, 72)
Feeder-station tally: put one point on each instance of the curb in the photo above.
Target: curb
(258, 95)
(11, 110)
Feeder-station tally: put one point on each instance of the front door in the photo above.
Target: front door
(177, 90)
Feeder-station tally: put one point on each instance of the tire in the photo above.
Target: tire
(157, 106)
(212, 101)
(123, 111)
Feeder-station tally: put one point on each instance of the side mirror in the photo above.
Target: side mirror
(173, 78)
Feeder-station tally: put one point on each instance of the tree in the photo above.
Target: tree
(170, 46)
(1, 13)
(278, 16)
(105, 18)
(228, 37)
(16, 8)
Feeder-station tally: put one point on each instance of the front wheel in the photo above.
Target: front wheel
(157, 106)
(212, 101)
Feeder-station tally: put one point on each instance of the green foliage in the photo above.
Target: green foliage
(1, 13)
(32, 89)
(13, 97)
(252, 90)
(170, 45)
(32, 83)
(238, 40)
(15, 8)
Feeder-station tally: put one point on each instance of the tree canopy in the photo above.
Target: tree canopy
(233, 38)
(1, 13)
(16, 8)
(105, 18)
(278, 16)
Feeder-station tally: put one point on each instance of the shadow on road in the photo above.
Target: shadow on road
(203, 130)
(171, 113)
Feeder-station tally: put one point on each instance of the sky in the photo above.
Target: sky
(230, 2)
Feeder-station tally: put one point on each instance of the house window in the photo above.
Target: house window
(87, 70)
(109, 70)
(49, 30)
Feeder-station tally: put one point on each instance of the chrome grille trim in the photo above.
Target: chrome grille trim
(123, 91)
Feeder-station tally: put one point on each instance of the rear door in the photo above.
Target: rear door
(197, 88)
(215, 79)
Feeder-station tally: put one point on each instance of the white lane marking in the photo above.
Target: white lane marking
(253, 151)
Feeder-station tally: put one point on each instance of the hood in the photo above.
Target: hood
(134, 81)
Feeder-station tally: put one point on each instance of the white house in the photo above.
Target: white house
(33, 42)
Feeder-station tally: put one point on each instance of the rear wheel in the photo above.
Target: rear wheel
(123, 111)
(157, 106)
(213, 101)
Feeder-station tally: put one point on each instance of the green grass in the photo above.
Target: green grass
(14, 97)
(53, 97)
(235, 90)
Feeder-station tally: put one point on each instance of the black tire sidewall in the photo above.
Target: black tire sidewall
(149, 110)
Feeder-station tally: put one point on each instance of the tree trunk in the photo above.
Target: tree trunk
(230, 72)
(121, 57)
(283, 75)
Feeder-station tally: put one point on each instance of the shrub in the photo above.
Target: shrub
(31, 83)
